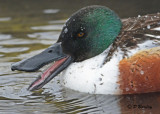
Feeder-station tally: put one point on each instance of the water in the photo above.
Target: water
(26, 28)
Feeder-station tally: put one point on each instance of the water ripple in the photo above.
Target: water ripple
(5, 19)
(51, 11)
(45, 35)
(11, 50)
(48, 27)
(5, 36)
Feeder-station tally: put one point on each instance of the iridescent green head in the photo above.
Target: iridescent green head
(89, 32)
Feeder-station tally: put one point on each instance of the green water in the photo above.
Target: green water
(29, 26)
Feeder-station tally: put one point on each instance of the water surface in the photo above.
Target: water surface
(29, 26)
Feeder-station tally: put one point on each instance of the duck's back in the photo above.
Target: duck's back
(139, 70)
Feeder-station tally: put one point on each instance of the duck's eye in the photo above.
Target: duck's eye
(80, 34)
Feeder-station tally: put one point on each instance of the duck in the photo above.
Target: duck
(99, 53)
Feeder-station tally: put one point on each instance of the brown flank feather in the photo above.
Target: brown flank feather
(141, 72)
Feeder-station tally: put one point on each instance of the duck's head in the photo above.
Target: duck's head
(86, 34)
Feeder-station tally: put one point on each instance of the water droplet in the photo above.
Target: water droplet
(65, 30)
(127, 89)
(148, 26)
(135, 89)
(142, 72)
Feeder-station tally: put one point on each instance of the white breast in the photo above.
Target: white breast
(91, 77)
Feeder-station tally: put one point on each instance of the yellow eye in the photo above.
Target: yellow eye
(80, 34)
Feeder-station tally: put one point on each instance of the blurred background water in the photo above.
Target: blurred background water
(29, 26)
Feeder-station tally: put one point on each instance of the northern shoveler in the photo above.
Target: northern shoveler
(102, 54)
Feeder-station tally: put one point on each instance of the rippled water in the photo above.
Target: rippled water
(28, 27)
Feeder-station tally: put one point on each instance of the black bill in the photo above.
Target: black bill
(53, 53)
(34, 63)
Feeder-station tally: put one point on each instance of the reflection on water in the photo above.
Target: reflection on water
(28, 27)
(47, 11)
(5, 19)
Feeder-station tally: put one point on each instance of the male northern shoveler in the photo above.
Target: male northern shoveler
(108, 56)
